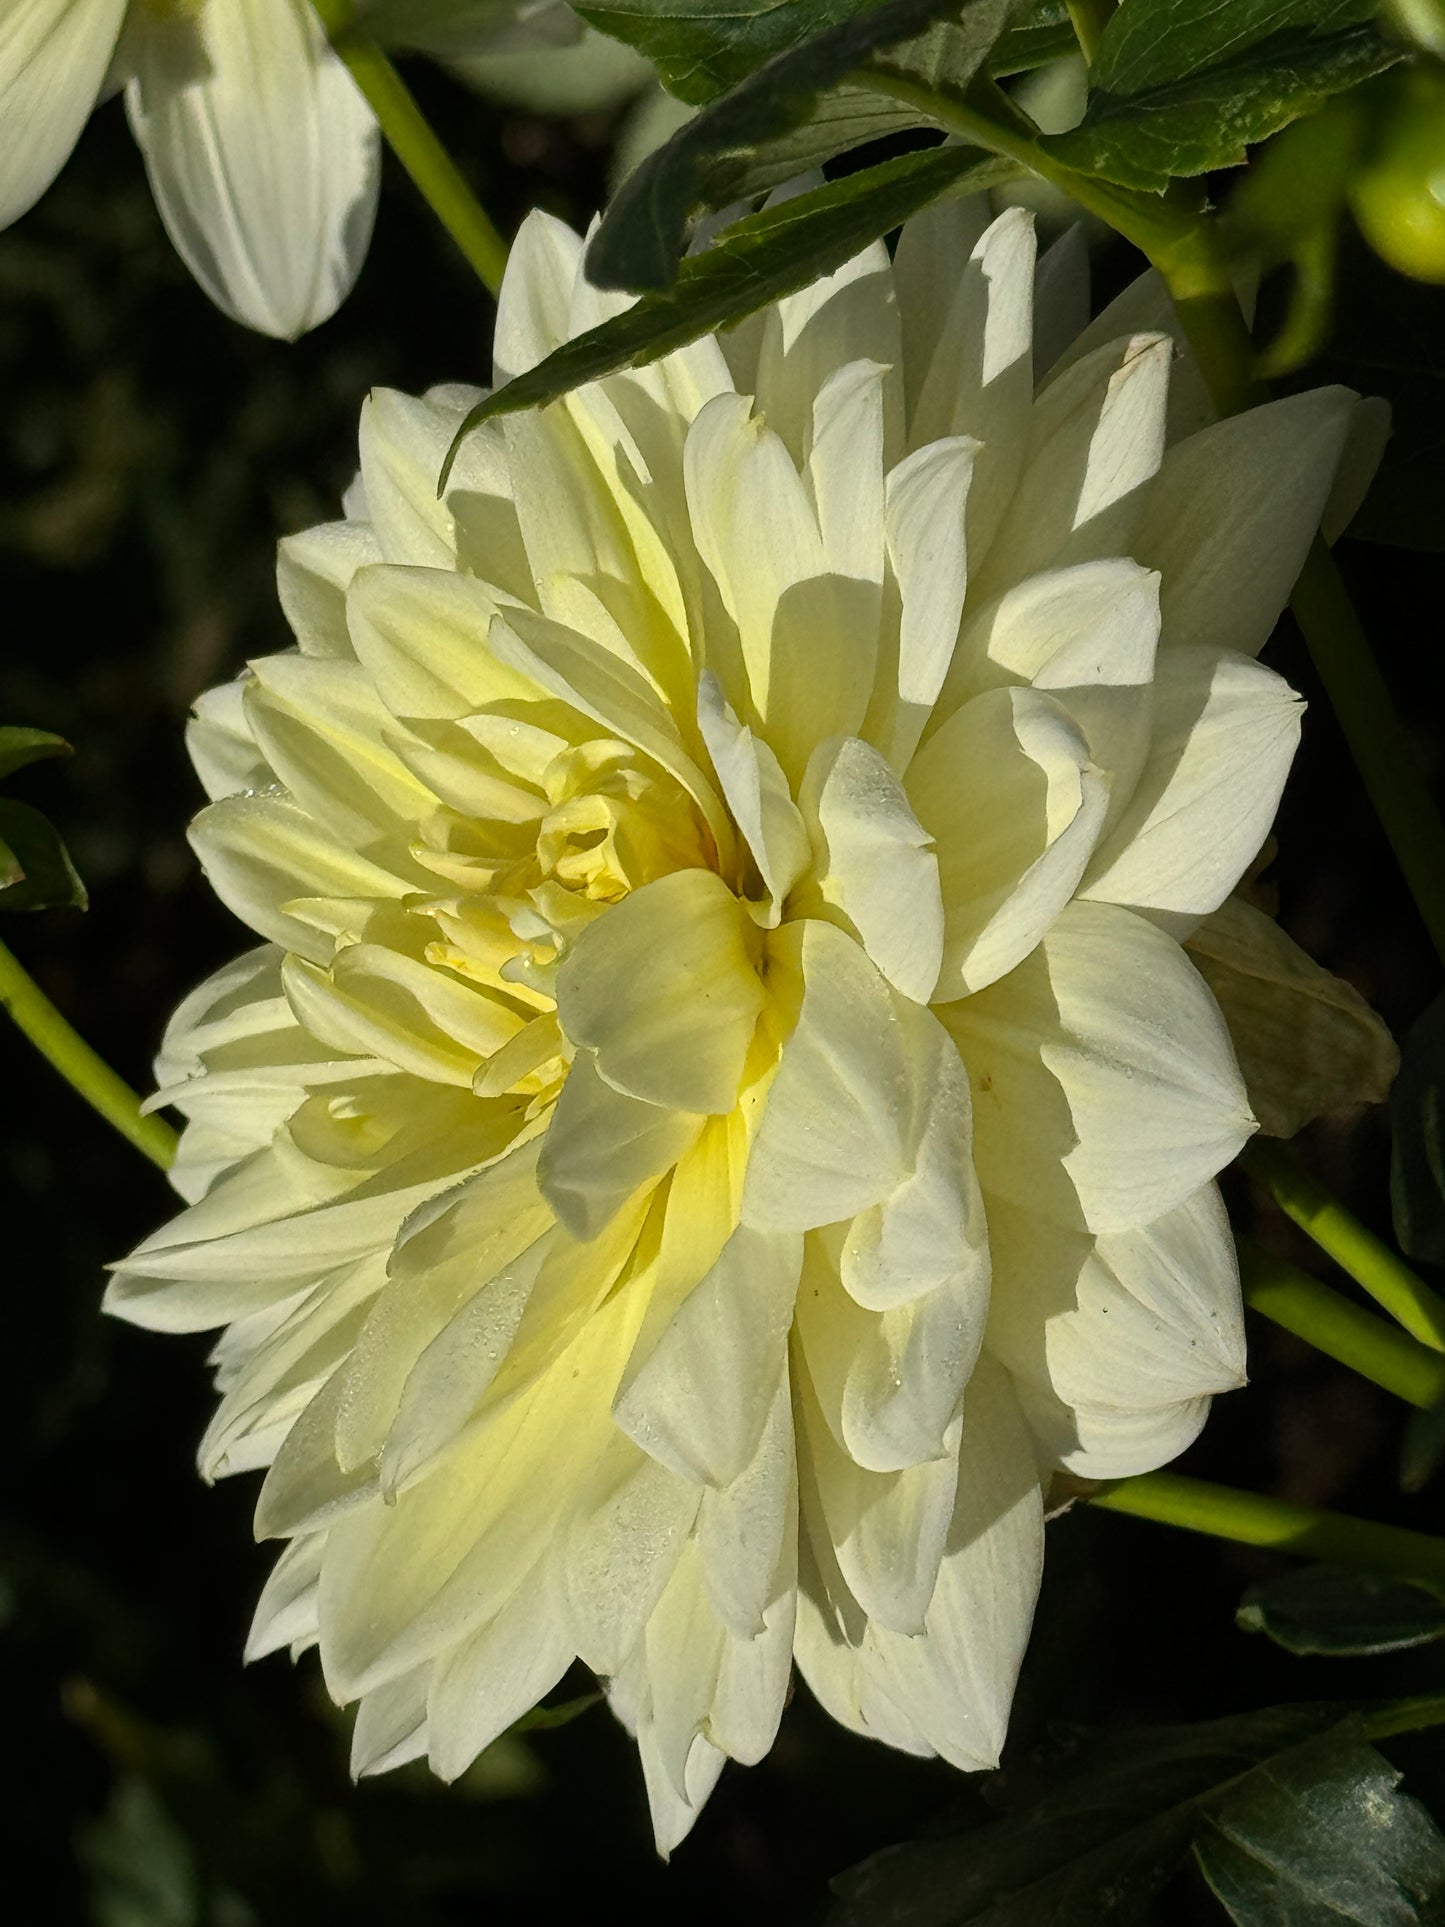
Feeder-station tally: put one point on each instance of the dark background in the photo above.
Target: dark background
(150, 454)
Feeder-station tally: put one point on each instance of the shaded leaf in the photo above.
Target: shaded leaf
(1417, 1159)
(1423, 1448)
(21, 746)
(1324, 1609)
(141, 1869)
(1323, 1834)
(36, 872)
(1089, 1835)
(752, 263)
(1039, 34)
(700, 50)
(706, 163)
(1180, 87)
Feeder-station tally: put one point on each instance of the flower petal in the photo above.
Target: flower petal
(663, 989)
(262, 155)
(1105, 1090)
(1232, 512)
(53, 58)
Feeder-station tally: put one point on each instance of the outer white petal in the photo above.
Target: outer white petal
(742, 1527)
(1224, 737)
(1233, 511)
(490, 1679)
(53, 57)
(1119, 1342)
(1105, 1090)
(262, 155)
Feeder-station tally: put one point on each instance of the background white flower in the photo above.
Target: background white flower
(262, 155)
(723, 1109)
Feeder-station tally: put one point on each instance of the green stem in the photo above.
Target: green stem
(1249, 1519)
(1383, 752)
(1291, 1298)
(1369, 1261)
(1407, 1716)
(68, 1051)
(1089, 17)
(409, 136)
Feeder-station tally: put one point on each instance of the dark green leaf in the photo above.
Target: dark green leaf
(1322, 1835)
(701, 50)
(1039, 34)
(750, 264)
(707, 162)
(1422, 1449)
(21, 746)
(1324, 1609)
(36, 872)
(1180, 87)
(1417, 1119)
(1088, 1837)
(141, 1869)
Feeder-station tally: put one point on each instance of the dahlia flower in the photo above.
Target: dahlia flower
(261, 153)
(722, 1109)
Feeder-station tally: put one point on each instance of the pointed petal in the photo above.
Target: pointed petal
(1233, 511)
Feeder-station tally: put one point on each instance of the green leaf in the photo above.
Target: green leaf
(21, 746)
(701, 50)
(1040, 33)
(1089, 1835)
(1321, 1835)
(36, 872)
(1324, 1609)
(1422, 1449)
(1180, 87)
(142, 1871)
(752, 263)
(1417, 1121)
(707, 162)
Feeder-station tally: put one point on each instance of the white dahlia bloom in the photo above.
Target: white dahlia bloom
(722, 1109)
(262, 155)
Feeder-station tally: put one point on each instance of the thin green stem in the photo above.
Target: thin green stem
(1089, 17)
(1342, 1330)
(1369, 1261)
(1379, 743)
(1249, 1519)
(409, 136)
(68, 1051)
(1416, 1715)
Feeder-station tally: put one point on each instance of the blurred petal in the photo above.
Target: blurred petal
(262, 155)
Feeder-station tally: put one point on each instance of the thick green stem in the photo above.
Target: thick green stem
(1369, 1261)
(68, 1051)
(409, 136)
(1332, 1324)
(1247, 1518)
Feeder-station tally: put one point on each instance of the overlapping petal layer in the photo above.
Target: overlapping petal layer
(723, 1109)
